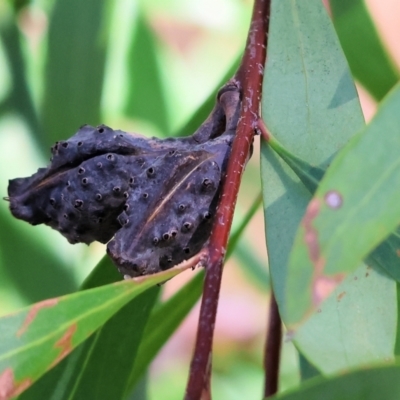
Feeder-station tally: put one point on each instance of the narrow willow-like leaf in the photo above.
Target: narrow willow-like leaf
(47, 331)
(86, 371)
(74, 68)
(367, 384)
(369, 61)
(19, 98)
(166, 317)
(29, 263)
(234, 238)
(146, 99)
(204, 110)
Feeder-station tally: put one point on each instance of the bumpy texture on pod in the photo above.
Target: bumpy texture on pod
(154, 198)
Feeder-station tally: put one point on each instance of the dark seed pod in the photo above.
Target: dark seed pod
(94, 181)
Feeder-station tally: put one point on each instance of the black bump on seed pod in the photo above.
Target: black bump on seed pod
(186, 227)
(78, 203)
(150, 172)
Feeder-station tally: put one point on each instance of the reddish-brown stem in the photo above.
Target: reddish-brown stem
(249, 79)
(272, 353)
(262, 130)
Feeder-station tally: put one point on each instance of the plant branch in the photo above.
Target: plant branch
(248, 79)
(272, 349)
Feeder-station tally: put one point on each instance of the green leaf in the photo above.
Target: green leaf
(305, 72)
(254, 268)
(20, 98)
(355, 207)
(311, 107)
(307, 370)
(368, 59)
(204, 110)
(29, 263)
(367, 384)
(47, 331)
(351, 325)
(165, 319)
(235, 236)
(386, 255)
(343, 308)
(75, 67)
(103, 362)
(146, 98)
(86, 371)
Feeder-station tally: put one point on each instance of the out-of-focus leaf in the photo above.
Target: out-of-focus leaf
(103, 362)
(311, 107)
(204, 110)
(75, 67)
(47, 331)
(307, 370)
(86, 372)
(386, 256)
(256, 270)
(368, 59)
(31, 265)
(234, 238)
(19, 99)
(162, 324)
(367, 384)
(397, 343)
(146, 98)
(355, 207)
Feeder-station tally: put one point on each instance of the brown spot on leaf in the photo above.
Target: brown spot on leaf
(322, 285)
(9, 388)
(398, 252)
(33, 312)
(341, 295)
(311, 234)
(65, 343)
